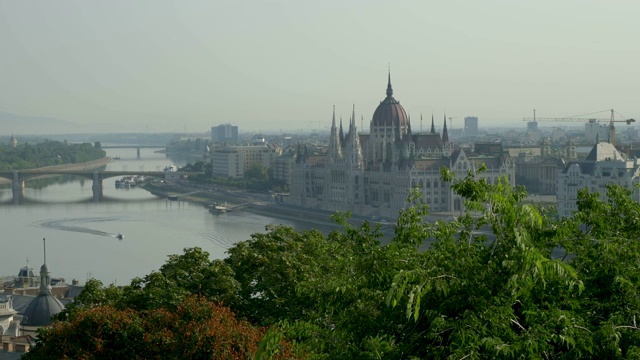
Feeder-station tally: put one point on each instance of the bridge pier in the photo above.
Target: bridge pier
(17, 187)
(138, 151)
(97, 187)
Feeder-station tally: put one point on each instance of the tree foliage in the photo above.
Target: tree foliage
(505, 280)
(47, 153)
(195, 329)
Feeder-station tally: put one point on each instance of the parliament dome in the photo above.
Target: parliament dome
(390, 112)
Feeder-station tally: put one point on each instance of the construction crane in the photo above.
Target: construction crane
(611, 120)
(451, 121)
(577, 118)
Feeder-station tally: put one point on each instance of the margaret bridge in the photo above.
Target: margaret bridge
(137, 147)
(18, 178)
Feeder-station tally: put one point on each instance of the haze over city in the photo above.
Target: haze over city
(186, 66)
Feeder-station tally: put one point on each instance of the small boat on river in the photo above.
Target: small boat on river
(218, 208)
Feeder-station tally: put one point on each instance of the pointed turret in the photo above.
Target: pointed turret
(445, 134)
(43, 306)
(612, 134)
(355, 151)
(45, 278)
(333, 118)
(433, 125)
(389, 88)
(335, 145)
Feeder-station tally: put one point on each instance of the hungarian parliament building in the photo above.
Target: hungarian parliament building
(372, 174)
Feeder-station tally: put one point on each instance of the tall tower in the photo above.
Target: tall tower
(335, 144)
(42, 307)
(445, 134)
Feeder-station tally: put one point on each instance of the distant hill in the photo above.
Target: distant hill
(36, 125)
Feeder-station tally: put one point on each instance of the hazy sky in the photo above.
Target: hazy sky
(178, 65)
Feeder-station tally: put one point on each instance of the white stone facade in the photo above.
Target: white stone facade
(233, 161)
(372, 174)
(603, 166)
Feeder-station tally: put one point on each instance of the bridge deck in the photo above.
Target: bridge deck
(27, 173)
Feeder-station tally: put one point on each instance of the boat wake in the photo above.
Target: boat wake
(75, 225)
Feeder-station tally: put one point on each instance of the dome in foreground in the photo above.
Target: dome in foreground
(45, 305)
(390, 112)
(41, 309)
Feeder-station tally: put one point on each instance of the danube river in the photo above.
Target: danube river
(81, 234)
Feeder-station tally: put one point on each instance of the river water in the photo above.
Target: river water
(81, 234)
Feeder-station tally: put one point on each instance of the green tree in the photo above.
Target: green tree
(506, 297)
(93, 294)
(191, 273)
(605, 248)
(505, 280)
(257, 172)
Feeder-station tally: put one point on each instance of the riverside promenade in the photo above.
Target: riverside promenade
(257, 203)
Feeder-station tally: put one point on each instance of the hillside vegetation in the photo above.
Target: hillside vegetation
(538, 288)
(48, 153)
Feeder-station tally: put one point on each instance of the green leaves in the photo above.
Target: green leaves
(504, 280)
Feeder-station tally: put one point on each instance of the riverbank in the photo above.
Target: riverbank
(197, 194)
(257, 203)
(91, 165)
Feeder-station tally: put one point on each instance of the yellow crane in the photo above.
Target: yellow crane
(579, 118)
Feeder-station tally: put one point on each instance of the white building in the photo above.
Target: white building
(8, 326)
(233, 161)
(604, 165)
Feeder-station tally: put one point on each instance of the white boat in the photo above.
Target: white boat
(218, 208)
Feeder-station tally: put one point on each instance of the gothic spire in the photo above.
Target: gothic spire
(352, 123)
(433, 126)
(445, 134)
(389, 89)
(45, 279)
(354, 157)
(333, 121)
(335, 141)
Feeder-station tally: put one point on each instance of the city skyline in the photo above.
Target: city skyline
(175, 66)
